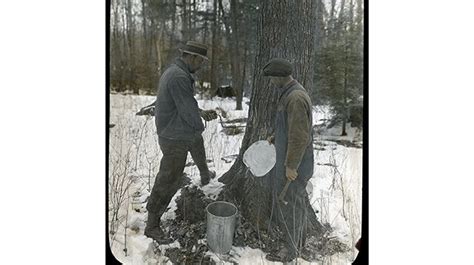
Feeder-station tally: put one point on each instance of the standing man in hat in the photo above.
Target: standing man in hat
(179, 126)
(293, 141)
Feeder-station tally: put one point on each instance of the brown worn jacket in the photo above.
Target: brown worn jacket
(298, 106)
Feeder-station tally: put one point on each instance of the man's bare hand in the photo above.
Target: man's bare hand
(291, 174)
(271, 139)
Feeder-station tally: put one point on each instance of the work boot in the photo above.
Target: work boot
(206, 177)
(154, 231)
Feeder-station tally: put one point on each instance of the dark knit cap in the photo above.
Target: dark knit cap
(278, 67)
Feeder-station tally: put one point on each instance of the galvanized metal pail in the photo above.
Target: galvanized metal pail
(221, 221)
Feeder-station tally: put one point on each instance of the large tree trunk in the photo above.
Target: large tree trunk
(291, 38)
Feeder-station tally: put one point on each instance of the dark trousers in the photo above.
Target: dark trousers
(170, 174)
(198, 153)
(292, 217)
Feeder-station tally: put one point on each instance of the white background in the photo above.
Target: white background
(52, 136)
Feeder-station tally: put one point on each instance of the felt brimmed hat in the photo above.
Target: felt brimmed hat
(195, 48)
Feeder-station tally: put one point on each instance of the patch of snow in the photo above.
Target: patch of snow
(334, 133)
(213, 189)
(170, 214)
(321, 115)
(134, 151)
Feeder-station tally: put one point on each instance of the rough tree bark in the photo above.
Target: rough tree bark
(286, 30)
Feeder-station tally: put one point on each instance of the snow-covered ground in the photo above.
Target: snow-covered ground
(134, 158)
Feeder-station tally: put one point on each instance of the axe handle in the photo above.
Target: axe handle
(283, 192)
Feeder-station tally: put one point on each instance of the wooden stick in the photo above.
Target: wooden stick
(283, 192)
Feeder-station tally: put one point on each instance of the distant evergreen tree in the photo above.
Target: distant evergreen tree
(339, 60)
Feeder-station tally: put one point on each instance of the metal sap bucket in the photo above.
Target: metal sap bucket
(221, 221)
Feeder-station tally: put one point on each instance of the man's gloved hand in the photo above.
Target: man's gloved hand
(291, 174)
(209, 115)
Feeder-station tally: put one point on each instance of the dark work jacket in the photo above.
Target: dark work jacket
(305, 168)
(177, 113)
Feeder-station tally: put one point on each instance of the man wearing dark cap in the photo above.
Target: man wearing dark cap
(179, 127)
(293, 141)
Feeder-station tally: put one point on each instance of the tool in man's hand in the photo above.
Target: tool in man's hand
(283, 192)
(147, 110)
